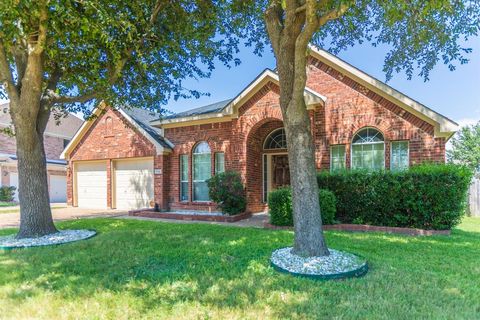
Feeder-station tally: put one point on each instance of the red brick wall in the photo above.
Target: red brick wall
(53, 145)
(350, 107)
(111, 136)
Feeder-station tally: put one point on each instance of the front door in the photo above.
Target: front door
(280, 171)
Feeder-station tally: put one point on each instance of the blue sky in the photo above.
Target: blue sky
(454, 94)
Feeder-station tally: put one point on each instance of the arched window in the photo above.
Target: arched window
(277, 139)
(368, 150)
(202, 171)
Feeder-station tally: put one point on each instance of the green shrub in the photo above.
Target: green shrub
(328, 206)
(425, 196)
(280, 206)
(7, 193)
(226, 189)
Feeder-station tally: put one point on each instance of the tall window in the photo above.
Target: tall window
(202, 171)
(368, 150)
(277, 139)
(337, 157)
(184, 177)
(219, 162)
(399, 155)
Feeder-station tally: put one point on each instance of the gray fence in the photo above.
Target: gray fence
(474, 198)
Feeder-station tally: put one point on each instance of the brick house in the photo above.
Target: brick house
(55, 138)
(137, 159)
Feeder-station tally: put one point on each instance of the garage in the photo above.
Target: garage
(58, 188)
(133, 183)
(91, 184)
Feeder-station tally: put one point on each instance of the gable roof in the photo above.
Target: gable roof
(228, 109)
(66, 129)
(140, 119)
(443, 126)
(143, 118)
(210, 108)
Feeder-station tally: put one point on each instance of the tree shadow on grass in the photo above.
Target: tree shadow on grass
(227, 268)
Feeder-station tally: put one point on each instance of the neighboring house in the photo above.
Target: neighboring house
(56, 137)
(127, 160)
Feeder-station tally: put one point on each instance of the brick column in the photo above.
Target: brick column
(109, 183)
(160, 181)
(70, 183)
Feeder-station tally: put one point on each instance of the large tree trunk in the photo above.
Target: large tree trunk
(289, 35)
(35, 213)
(309, 240)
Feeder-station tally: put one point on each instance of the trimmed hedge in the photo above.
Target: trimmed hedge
(227, 190)
(280, 206)
(425, 196)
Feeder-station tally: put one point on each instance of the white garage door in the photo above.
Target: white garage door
(133, 183)
(14, 183)
(58, 188)
(91, 187)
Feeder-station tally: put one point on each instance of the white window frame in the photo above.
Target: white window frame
(193, 170)
(183, 181)
(408, 152)
(344, 155)
(370, 143)
(216, 161)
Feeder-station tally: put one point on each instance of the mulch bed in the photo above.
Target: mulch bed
(190, 217)
(366, 228)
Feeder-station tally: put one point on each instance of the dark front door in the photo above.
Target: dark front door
(280, 171)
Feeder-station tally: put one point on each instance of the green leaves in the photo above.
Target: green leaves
(466, 147)
(425, 196)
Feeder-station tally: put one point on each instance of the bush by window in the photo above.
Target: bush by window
(426, 196)
(227, 190)
(281, 212)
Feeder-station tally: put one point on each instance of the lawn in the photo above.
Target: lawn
(141, 269)
(7, 204)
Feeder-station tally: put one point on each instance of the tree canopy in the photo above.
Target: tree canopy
(466, 147)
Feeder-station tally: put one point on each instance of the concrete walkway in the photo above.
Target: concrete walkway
(12, 220)
(256, 220)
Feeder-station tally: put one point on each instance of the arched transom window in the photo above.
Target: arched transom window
(202, 171)
(368, 150)
(277, 139)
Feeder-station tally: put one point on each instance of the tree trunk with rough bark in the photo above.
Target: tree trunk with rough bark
(35, 213)
(290, 27)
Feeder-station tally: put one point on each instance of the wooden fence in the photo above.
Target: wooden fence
(474, 198)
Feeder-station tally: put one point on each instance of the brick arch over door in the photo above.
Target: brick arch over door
(254, 174)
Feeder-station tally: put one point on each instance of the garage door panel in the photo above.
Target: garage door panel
(134, 184)
(92, 185)
(58, 188)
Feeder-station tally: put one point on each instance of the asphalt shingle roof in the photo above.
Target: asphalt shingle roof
(143, 118)
(211, 108)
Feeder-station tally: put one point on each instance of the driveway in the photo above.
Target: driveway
(12, 220)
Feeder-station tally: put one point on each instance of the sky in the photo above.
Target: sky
(455, 94)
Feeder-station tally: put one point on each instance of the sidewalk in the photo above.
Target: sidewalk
(12, 220)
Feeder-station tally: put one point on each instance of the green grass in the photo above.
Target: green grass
(17, 210)
(141, 269)
(7, 204)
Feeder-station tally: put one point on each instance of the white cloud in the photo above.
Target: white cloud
(468, 121)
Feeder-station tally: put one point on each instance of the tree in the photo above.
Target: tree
(417, 33)
(466, 147)
(66, 55)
